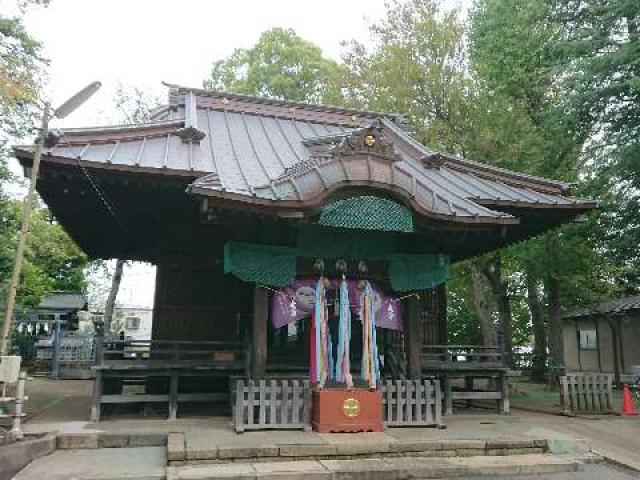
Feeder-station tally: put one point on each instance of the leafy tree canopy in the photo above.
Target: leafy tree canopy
(21, 70)
(281, 65)
(52, 261)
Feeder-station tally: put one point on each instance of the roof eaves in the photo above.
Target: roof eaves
(617, 306)
(25, 155)
(477, 167)
(123, 127)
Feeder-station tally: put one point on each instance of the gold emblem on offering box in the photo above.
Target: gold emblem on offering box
(351, 407)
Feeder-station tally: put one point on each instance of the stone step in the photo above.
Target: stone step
(187, 450)
(389, 468)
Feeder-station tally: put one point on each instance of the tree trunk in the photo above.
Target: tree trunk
(500, 291)
(539, 361)
(556, 342)
(483, 311)
(113, 293)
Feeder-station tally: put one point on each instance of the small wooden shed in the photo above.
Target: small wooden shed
(604, 338)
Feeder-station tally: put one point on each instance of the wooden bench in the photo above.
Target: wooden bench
(469, 362)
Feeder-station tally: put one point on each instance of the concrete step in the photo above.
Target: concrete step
(382, 468)
(143, 463)
(187, 449)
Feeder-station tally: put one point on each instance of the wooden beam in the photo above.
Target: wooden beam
(413, 338)
(259, 344)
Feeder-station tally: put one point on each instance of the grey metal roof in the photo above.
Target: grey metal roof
(611, 307)
(63, 301)
(252, 147)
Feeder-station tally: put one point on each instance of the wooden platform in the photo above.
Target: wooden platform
(158, 368)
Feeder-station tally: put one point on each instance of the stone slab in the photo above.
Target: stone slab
(175, 447)
(113, 440)
(483, 466)
(318, 450)
(510, 443)
(227, 471)
(147, 439)
(309, 469)
(361, 469)
(144, 463)
(15, 456)
(75, 441)
(430, 445)
(247, 452)
(362, 448)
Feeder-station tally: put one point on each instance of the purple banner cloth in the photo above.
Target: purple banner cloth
(296, 301)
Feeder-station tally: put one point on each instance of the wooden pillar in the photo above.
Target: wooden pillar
(55, 349)
(173, 396)
(615, 334)
(443, 339)
(413, 338)
(96, 397)
(259, 343)
(441, 312)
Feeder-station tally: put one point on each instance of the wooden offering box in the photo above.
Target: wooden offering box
(344, 410)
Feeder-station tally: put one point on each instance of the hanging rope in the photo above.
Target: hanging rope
(370, 369)
(343, 363)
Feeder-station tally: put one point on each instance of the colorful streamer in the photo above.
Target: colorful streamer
(343, 363)
(320, 355)
(370, 369)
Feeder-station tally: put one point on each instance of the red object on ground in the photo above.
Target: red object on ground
(627, 401)
(347, 410)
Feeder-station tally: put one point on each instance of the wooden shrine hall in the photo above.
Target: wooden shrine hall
(250, 208)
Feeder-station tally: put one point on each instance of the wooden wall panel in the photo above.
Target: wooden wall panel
(433, 316)
(196, 301)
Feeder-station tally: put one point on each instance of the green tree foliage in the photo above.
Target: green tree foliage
(21, 70)
(600, 44)
(571, 69)
(602, 40)
(418, 65)
(415, 66)
(52, 261)
(281, 65)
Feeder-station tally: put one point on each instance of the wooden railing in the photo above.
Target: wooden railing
(412, 403)
(120, 362)
(462, 357)
(149, 354)
(586, 393)
(271, 404)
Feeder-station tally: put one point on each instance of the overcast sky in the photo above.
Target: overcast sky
(144, 42)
